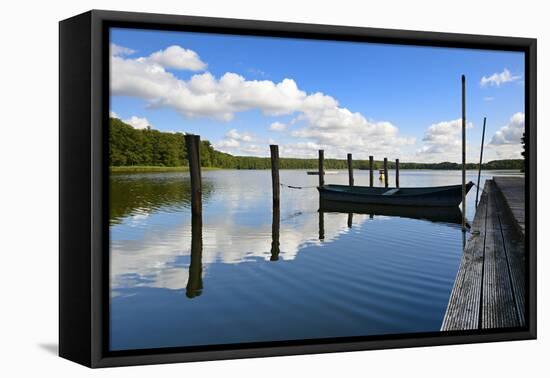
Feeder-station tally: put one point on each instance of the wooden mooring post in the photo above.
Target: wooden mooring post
(276, 186)
(275, 183)
(386, 172)
(480, 158)
(371, 173)
(397, 173)
(192, 143)
(321, 167)
(350, 170)
(321, 183)
(463, 153)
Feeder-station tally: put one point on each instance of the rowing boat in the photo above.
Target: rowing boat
(326, 172)
(440, 196)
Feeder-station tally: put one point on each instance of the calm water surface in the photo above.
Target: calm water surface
(243, 276)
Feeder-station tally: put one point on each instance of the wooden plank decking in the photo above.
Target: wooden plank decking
(489, 290)
(513, 191)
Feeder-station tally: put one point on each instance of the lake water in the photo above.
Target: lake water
(251, 274)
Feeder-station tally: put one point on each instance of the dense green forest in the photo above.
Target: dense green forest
(152, 148)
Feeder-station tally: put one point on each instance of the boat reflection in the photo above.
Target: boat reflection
(194, 282)
(449, 215)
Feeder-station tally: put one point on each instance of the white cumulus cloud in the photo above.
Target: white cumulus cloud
(227, 144)
(442, 141)
(235, 141)
(178, 58)
(117, 50)
(277, 126)
(510, 133)
(506, 142)
(324, 122)
(234, 134)
(138, 123)
(498, 78)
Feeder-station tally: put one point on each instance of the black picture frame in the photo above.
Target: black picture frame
(83, 179)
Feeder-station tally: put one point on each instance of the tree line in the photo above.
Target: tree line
(148, 147)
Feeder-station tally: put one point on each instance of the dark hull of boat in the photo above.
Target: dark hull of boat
(438, 196)
(449, 215)
(316, 173)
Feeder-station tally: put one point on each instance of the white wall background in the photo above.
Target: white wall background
(29, 189)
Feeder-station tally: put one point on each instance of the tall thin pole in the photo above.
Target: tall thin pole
(371, 167)
(480, 158)
(386, 172)
(321, 168)
(463, 153)
(397, 173)
(275, 183)
(192, 142)
(350, 170)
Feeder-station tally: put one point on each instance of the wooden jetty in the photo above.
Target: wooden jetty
(513, 191)
(489, 289)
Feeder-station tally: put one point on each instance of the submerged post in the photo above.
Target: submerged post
(386, 172)
(192, 142)
(275, 183)
(350, 170)
(480, 158)
(463, 153)
(321, 168)
(371, 174)
(397, 173)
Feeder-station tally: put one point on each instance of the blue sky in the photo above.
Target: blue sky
(243, 93)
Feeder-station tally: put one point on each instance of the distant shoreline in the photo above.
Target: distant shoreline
(141, 168)
(160, 169)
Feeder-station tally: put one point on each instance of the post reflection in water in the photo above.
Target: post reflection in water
(350, 220)
(160, 255)
(321, 225)
(275, 227)
(194, 283)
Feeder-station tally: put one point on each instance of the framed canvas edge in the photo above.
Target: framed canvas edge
(237, 353)
(99, 117)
